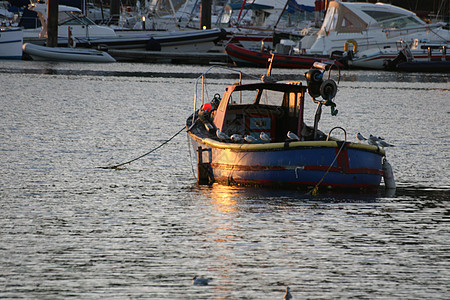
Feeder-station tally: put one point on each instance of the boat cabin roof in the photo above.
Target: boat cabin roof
(356, 17)
(294, 87)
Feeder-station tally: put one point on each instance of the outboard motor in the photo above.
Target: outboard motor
(318, 87)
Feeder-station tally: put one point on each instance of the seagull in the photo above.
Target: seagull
(373, 140)
(360, 137)
(292, 136)
(236, 137)
(200, 280)
(263, 136)
(384, 144)
(222, 135)
(250, 139)
(378, 141)
(288, 295)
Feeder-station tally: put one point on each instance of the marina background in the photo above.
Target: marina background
(70, 229)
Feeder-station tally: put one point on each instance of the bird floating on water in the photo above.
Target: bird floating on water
(222, 135)
(292, 136)
(263, 136)
(287, 295)
(250, 139)
(236, 137)
(201, 281)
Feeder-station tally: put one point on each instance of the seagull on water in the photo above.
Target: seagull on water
(236, 137)
(222, 135)
(250, 139)
(292, 136)
(287, 295)
(201, 281)
(360, 137)
(263, 136)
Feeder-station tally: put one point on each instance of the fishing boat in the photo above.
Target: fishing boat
(11, 40)
(249, 58)
(255, 134)
(38, 52)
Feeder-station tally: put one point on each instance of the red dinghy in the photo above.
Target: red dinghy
(248, 58)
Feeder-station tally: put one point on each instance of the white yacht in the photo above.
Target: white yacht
(360, 26)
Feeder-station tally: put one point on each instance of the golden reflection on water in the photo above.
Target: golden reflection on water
(224, 225)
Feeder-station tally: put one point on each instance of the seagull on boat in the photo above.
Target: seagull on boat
(378, 141)
(236, 137)
(263, 136)
(287, 295)
(372, 140)
(250, 139)
(384, 144)
(222, 135)
(360, 137)
(201, 281)
(292, 136)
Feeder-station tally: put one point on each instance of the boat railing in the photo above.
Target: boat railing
(202, 78)
(392, 32)
(337, 127)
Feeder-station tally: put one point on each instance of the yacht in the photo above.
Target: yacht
(360, 26)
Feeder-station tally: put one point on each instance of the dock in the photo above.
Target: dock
(170, 57)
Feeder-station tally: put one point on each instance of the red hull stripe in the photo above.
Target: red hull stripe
(240, 181)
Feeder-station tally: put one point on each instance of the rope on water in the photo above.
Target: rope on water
(151, 151)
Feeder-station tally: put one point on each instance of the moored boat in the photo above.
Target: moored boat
(364, 26)
(436, 61)
(66, 54)
(249, 58)
(256, 135)
(86, 34)
(388, 59)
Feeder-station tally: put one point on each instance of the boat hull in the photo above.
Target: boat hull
(66, 54)
(187, 41)
(424, 66)
(11, 40)
(293, 165)
(248, 58)
(380, 59)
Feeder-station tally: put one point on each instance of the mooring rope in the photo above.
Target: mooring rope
(151, 151)
(316, 187)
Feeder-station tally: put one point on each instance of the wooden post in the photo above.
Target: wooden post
(205, 14)
(52, 23)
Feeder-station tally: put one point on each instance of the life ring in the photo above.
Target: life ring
(354, 43)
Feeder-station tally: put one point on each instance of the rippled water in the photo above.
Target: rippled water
(69, 229)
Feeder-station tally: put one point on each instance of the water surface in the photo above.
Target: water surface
(69, 229)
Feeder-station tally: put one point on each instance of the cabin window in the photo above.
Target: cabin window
(246, 97)
(401, 23)
(72, 19)
(394, 20)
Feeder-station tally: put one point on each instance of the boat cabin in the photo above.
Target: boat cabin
(272, 108)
